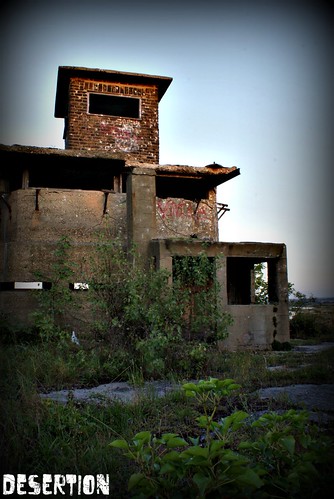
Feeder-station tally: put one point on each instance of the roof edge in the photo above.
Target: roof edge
(65, 73)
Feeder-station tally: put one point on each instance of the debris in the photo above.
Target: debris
(74, 339)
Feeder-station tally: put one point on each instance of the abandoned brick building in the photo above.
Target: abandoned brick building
(110, 168)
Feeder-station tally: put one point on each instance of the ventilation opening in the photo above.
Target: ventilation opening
(112, 105)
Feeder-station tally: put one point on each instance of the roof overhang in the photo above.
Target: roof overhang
(65, 73)
(211, 177)
(25, 151)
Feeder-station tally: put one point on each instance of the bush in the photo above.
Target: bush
(142, 312)
(305, 325)
(279, 346)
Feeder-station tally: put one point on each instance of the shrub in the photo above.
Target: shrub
(305, 325)
(282, 456)
(279, 346)
(141, 311)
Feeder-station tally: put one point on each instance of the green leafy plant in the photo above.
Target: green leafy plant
(280, 458)
(288, 451)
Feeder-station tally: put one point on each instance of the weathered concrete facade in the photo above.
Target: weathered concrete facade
(109, 175)
(255, 325)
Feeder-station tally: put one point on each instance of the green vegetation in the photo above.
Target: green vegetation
(309, 319)
(55, 302)
(273, 456)
(205, 440)
(41, 436)
(150, 312)
(142, 315)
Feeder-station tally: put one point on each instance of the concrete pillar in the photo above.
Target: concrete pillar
(222, 278)
(141, 211)
(282, 326)
(282, 277)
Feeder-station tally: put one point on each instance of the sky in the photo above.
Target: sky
(252, 87)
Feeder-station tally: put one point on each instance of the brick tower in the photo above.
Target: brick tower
(111, 111)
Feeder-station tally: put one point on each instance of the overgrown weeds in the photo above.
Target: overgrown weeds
(41, 436)
(139, 335)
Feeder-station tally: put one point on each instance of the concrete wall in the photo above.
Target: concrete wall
(30, 237)
(141, 213)
(33, 221)
(138, 138)
(257, 326)
(149, 217)
(178, 217)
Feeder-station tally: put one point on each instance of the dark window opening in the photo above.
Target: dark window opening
(72, 179)
(185, 188)
(124, 178)
(273, 296)
(62, 172)
(239, 281)
(112, 105)
(251, 281)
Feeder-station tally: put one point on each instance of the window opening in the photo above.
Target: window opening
(112, 105)
(251, 281)
(239, 280)
(195, 277)
(185, 188)
(95, 178)
(261, 283)
(124, 178)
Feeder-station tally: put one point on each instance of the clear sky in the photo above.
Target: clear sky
(252, 87)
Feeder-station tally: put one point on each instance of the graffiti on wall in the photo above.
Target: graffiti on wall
(181, 208)
(124, 137)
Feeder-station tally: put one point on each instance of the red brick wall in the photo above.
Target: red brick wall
(138, 139)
